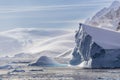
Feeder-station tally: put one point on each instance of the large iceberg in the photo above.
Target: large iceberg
(96, 48)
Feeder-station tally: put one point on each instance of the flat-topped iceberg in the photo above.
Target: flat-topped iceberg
(96, 48)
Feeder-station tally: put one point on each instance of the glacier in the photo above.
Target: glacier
(96, 48)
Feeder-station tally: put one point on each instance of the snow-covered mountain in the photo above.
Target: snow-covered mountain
(35, 41)
(96, 48)
(108, 17)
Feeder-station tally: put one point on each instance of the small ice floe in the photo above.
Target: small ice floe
(6, 67)
(106, 78)
(37, 70)
(18, 70)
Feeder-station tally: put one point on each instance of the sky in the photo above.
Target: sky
(47, 13)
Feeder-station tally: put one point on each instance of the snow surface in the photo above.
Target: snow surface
(107, 39)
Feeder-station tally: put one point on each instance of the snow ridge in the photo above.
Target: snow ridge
(107, 17)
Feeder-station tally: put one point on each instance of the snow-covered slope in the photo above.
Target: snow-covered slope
(96, 48)
(108, 17)
(35, 41)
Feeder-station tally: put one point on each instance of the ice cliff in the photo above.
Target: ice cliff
(96, 48)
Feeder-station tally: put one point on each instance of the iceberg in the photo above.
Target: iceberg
(96, 48)
(45, 61)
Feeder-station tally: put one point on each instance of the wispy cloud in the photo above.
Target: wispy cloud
(12, 9)
(64, 21)
(48, 13)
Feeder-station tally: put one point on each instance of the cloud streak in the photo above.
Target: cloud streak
(64, 21)
(14, 9)
(48, 13)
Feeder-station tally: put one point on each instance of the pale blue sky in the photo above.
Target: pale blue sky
(47, 13)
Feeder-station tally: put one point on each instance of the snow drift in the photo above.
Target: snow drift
(96, 48)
